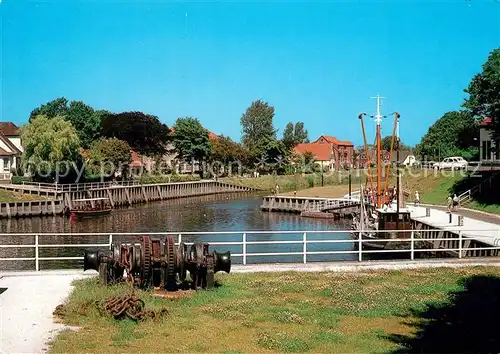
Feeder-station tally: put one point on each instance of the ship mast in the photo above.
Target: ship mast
(378, 119)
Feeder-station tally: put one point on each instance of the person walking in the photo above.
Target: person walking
(456, 202)
(417, 198)
(450, 203)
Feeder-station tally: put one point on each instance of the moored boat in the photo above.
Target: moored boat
(388, 219)
(91, 207)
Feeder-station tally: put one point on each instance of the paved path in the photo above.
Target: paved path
(26, 308)
(483, 231)
(27, 324)
(476, 214)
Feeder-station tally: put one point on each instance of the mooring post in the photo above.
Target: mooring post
(451, 217)
(179, 239)
(460, 220)
(244, 251)
(427, 212)
(110, 241)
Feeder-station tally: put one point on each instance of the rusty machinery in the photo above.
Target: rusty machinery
(152, 262)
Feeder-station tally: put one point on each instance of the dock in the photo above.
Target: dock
(58, 198)
(309, 206)
(476, 236)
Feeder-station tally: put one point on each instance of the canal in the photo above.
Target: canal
(216, 213)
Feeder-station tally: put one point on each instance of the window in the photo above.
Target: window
(6, 164)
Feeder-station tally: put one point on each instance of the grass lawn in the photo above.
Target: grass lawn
(285, 312)
(291, 182)
(432, 188)
(9, 197)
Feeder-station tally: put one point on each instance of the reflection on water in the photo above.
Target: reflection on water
(219, 213)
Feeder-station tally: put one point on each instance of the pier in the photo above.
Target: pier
(58, 198)
(310, 206)
(455, 234)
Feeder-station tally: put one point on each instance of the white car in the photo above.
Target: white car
(452, 163)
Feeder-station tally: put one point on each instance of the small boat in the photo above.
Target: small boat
(91, 207)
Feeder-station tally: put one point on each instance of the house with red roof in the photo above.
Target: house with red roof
(329, 151)
(10, 149)
(489, 149)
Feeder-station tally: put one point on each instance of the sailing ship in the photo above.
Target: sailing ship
(382, 215)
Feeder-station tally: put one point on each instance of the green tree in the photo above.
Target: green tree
(226, 151)
(294, 134)
(51, 148)
(257, 127)
(450, 135)
(109, 156)
(84, 118)
(484, 92)
(143, 132)
(54, 108)
(86, 121)
(191, 141)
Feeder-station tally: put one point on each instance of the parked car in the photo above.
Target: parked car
(451, 163)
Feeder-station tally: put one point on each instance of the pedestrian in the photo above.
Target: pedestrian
(450, 203)
(277, 189)
(294, 193)
(417, 198)
(456, 202)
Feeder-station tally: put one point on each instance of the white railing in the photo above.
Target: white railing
(75, 187)
(464, 196)
(305, 240)
(331, 204)
(5, 176)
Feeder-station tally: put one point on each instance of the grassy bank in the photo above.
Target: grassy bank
(434, 188)
(11, 197)
(298, 312)
(292, 182)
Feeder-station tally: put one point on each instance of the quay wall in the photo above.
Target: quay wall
(60, 201)
(447, 240)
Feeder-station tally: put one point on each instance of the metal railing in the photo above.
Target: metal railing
(332, 204)
(304, 240)
(75, 187)
(5, 176)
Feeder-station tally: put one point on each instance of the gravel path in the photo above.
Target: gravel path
(26, 307)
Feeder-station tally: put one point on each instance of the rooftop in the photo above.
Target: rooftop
(9, 129)
(486, 122)
(322, 152)
(333, 140)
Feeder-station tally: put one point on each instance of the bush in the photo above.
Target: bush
(154, 179)
(19, 179)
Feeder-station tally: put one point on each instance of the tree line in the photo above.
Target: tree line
(96, 141)
(456, 133)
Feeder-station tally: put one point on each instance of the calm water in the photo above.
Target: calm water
(198, 214)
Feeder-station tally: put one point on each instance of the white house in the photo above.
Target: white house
(489, 149)
(10, 149)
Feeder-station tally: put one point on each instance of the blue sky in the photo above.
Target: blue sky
(315, 62)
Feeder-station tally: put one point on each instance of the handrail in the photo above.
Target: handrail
(303, 238)
(75, 187)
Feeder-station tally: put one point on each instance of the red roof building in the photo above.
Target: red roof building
(328, 148)
(486, 122)
(489, 149)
